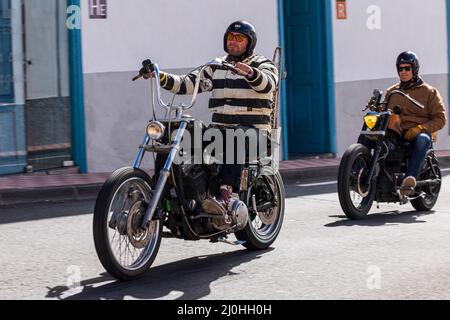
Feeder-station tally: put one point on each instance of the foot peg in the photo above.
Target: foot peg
(233, 243)
(402, 199)
(421, 195)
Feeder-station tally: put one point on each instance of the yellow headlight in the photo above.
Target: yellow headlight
(155, 130)
(371, 121)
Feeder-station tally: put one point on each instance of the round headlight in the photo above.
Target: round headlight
(155, 130)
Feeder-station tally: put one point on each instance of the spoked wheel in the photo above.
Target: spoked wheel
(125, 250)
(355, 198)
(264, 226)
(430, 171)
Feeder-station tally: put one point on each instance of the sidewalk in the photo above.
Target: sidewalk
(67, 185)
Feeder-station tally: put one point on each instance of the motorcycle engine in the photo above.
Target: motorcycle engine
(239, 213)
(198, 182)
(236, 217)
(194, 182)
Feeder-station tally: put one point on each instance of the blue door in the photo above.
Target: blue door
(310, 116)
(12, 132)
(6, 87)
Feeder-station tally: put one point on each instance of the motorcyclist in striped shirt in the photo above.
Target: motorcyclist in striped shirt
(241, 99)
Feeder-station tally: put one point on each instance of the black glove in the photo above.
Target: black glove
(147, 67)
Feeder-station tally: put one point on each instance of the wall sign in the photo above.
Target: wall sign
(97, 9)
(341, 9)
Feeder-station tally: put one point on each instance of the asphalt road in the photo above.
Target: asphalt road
(47, 252)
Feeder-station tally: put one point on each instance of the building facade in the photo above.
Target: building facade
(37, 67)
(336, 52)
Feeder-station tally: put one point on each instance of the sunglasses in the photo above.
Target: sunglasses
(238, 37)
(400, 69)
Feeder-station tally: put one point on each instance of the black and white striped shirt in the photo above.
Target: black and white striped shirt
(235, 99)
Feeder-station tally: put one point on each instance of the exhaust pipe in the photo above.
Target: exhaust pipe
(424, 183)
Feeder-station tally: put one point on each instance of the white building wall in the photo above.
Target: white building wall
(365, 54)
(178, 35)
(366, 46)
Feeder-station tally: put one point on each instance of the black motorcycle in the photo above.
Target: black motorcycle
(370, 169)
(133, 207)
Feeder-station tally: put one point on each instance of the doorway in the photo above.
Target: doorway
(12, 133)
(309, 85)
(47, 88)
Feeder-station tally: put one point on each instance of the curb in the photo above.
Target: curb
(49, 194)
(19, 196)
(444, 162)
(330, 172)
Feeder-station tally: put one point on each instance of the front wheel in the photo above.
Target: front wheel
(125, 250)
(263, 227)
(355, 198)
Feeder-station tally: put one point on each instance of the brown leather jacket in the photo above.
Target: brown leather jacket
(432, 117)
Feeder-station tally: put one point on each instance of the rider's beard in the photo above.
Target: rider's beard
(234, 55)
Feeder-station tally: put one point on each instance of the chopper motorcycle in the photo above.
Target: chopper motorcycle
(132, 207)
(370, 169)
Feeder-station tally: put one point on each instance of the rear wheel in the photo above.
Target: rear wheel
(430, 171)
(355, 198)
(264, 226)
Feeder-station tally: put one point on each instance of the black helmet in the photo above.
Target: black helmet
(245, 28)
(409, 57)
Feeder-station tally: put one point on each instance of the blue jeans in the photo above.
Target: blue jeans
(420, 145)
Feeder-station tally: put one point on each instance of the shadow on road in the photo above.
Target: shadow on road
(381, 219)
(188, 279)
(40, 211)
(309, 188)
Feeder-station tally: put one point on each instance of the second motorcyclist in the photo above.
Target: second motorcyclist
(418, 125)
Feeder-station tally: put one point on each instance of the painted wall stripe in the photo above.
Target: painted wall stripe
(77, 95)
(283, 105)
(330, 76)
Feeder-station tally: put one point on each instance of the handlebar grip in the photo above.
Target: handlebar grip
(230, 67)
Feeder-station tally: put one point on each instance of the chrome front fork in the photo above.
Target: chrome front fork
(164, 175)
